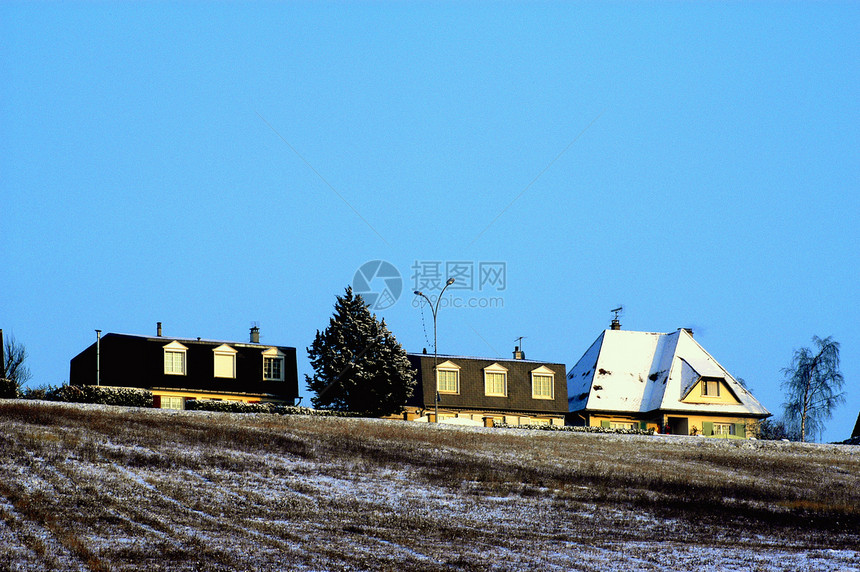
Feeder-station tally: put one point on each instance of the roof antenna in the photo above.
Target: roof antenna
(616, 325)
(518, 349)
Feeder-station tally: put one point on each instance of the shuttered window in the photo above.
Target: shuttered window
(225, 361)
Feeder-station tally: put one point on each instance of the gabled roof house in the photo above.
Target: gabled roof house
(666, 382)
(176, 370)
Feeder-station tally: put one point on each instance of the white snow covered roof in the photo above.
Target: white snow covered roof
(638, 372)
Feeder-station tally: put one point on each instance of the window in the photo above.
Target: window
(496, 380)
(543, 383)
(225, 361)
(273, 365)
(622, 425)
(174, 359)
(273, 368)
(171, 402)
(711, 388)
(722, 428)
(448, 378)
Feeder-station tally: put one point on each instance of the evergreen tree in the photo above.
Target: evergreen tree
(358, 364)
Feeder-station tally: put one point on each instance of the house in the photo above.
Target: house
(484, 391)
(179, 369)
(659, 381)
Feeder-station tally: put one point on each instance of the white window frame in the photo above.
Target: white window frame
(224, 351)
(173, 349)
(276, 355)
(449, 367)
(724, 429)
(172, 402)
(542, 372)
(490, 372)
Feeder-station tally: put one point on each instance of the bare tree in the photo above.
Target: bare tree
(15, 371)
(813, 383)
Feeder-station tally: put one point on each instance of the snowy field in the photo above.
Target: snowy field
(87, 487)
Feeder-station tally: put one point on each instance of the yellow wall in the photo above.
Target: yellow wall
(410, 414)
(695, 423)
(725, 396)
(204, 395)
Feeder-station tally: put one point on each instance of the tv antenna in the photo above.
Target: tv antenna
(519, 341)
(616, 325)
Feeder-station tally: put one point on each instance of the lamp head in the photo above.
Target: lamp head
(418, 293)
(450, 281)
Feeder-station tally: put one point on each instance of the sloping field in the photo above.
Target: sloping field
(108, 488)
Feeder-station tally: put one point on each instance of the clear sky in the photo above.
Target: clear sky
(210, 165)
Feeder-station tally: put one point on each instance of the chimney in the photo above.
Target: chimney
(688, 330)
(255, 335)
(158, 329)
(518, 353)
(616, 325)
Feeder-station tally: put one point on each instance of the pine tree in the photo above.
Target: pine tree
(358, 364)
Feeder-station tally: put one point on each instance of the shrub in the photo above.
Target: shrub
(273, 408)
(8, 388)
(123, 396)
(576, 429)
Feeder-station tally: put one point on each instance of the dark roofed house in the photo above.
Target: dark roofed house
(484, 391)
(179, 369)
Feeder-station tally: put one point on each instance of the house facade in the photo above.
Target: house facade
(665, 382)
(485, 391)
(176, 370)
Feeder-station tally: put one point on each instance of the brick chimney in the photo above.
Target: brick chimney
(255, 335)
(518, 353)
(158, 329)
(616, 325)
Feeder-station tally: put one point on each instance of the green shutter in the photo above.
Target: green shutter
(605, 424)
(643, 425)
(741, 430)
(707, 428)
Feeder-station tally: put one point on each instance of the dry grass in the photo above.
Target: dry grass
(102, 488)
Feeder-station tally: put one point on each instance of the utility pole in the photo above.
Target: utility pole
(98, 357)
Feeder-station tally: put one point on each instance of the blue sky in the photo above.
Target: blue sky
(210, 165)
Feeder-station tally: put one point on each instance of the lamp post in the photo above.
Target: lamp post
(98, 357)
(435, 310)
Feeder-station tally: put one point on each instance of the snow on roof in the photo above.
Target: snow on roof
(628, 371)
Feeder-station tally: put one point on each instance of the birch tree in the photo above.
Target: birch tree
(813, 386)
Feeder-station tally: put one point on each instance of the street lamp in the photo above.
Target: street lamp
(434, 310)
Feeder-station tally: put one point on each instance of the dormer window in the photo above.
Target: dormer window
(448, 377)
(174, 359)
(543, 383)
(225, 361)
(710, 388)
(496, 381)
(273, 365)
